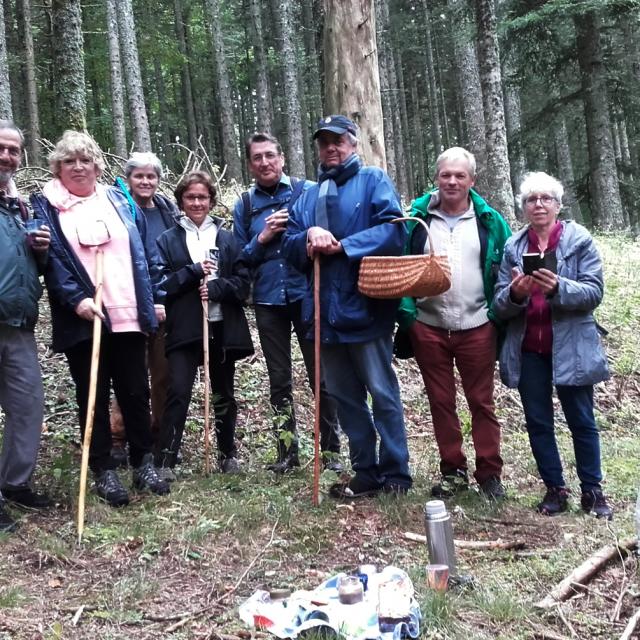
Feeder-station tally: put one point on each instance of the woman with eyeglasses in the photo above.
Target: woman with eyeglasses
(85, 217)
(549, 285)
(199, 260)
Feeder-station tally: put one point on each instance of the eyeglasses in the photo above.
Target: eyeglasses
(546, 200)
(269, 156)
(196, 198)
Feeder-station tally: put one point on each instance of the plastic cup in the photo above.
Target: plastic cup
(33, 225)
(437, 577)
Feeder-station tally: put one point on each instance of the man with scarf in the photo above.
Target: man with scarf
(340, 220)
(23, 248)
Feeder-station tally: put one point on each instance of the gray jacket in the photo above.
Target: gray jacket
(578, 356)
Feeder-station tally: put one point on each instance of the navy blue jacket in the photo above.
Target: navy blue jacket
(276, 282)
(366, 202)
(68, 282)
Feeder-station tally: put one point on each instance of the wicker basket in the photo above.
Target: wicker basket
(398, 276)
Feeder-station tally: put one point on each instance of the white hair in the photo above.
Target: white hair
(540, 182)
(139, 160)
(454, 154)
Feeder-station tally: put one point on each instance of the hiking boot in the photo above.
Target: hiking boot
(394, 489)
(594, 502)
(450, 485)
(7, 523)
(332, 464)
(555, 501)
(230, 466)
(146, 477)
(492, 488)
(119, 457)
(26, 497)
(285, 465)
(166, 473)
(108, 486)
(353, 489)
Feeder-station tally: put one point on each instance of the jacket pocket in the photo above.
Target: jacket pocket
(349, 309)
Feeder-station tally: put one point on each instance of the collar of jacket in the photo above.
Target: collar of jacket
(420, 206)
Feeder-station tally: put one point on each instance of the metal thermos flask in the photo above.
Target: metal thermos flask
(439, 535)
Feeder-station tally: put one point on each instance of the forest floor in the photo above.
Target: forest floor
(178, 566)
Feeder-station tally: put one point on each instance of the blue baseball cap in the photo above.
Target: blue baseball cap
(336, 124)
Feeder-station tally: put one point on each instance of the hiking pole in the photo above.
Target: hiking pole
(93, 383)
(205, 350)
(316, 381)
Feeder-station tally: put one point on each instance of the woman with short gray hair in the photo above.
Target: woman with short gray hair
(549, 285)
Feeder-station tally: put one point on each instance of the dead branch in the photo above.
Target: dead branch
(631, 625)
(474, 545)
(567, 624)
(545, 634)
(585, 572)
(616, 610)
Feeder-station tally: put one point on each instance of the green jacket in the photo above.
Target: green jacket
(497, 233)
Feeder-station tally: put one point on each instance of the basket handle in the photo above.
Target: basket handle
(424, 224)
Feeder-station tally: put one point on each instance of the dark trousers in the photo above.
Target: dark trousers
(473, 351)
(536, 392)
(275, 323)
(122, 363)
(183, 364)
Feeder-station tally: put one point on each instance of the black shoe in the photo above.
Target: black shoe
(555, 501)
(119, 457)
(594, 502)
(109, 488)
(7, 523)
(353, 489)
(146, 477)
(26, 497)
(395, 489)
(231, 466)
(492, 488)
(450, 485)
(284, 466)
(331, 464)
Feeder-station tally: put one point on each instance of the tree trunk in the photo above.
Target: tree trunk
(68, 66)
(26, 35)
(420, 173)
(313, 76)
(384, 55)
(565, 168)
(227, 118)
(498, 176)
(264, 113)
(352, 83)
(436, 135)
(6, 111)
(185, 75)
(513, 116)
(132, 76)
(406, 178)
(118, 123)
(295, 147)
(606, 205)
(470, 92)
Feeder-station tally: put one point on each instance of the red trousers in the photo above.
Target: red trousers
(473, 351)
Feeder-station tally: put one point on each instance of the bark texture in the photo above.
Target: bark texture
(264, 112)
(185, 75)
(498, 180)
(295, 146)
(26, 35)
(352, 82)
(68, 65)
(436, 135)
(5, 88)
(606, 205)
(118, 123)
(132, 76)
(227, 117)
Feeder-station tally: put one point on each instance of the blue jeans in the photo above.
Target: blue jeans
(536, 390)
(350, 371)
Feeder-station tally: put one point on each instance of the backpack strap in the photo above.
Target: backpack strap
(246, 210)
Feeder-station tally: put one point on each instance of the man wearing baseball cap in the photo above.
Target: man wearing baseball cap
(343, 218)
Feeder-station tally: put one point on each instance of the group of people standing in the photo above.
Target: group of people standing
(167, 265)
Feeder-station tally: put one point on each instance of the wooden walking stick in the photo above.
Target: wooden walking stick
(316, 381)
(93, 383)
(205, 349)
